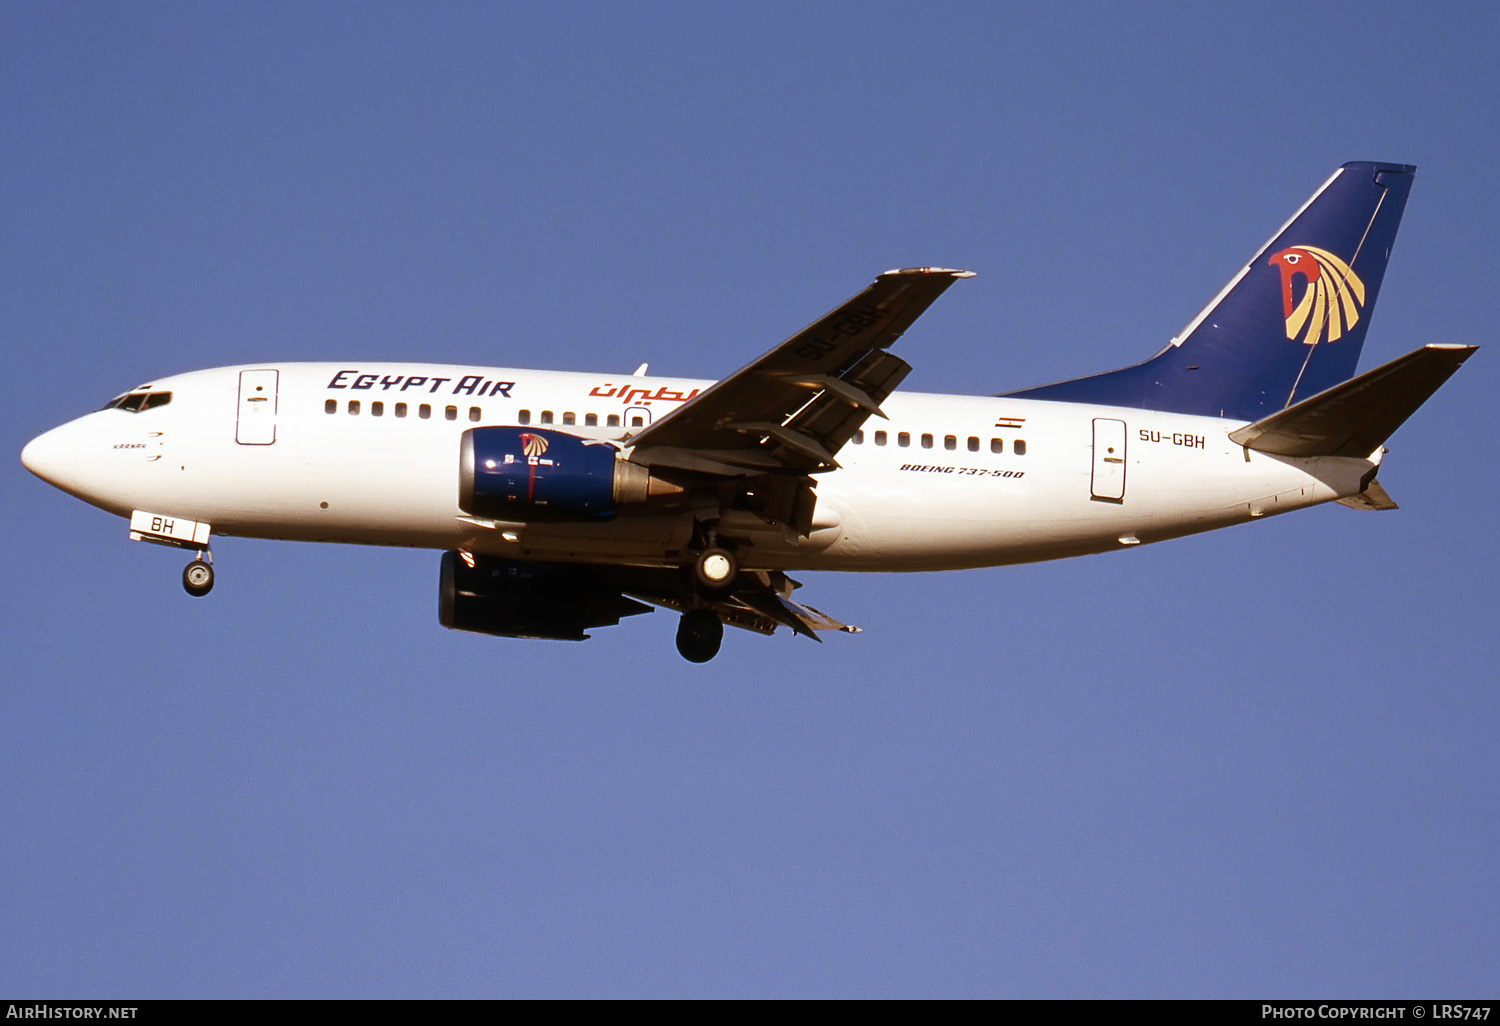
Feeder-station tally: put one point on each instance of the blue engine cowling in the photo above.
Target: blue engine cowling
(525, 473)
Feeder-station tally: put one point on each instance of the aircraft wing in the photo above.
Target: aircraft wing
(792, 409)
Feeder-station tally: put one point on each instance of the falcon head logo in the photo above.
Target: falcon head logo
(1332, 294)
(533, 445)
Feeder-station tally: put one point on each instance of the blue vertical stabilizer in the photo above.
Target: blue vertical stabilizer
(1288, 326)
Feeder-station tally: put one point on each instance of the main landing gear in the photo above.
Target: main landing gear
(198, 576)
(699, 634)
(713, 571)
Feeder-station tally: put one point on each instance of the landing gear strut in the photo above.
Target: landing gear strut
(198, 576)
(699, 634)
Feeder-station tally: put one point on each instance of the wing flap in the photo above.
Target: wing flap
(761, 601)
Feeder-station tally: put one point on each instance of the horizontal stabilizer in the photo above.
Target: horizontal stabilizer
(1356, 417)
(1373, 497)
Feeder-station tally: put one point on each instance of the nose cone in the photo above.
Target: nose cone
(53, 457)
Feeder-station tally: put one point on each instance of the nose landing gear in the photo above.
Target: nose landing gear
(198, 576)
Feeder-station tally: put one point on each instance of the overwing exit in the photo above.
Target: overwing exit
(565, 502)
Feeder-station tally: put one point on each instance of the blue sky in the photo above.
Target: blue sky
(1256, 762)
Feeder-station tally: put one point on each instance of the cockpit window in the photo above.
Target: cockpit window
(137, 402)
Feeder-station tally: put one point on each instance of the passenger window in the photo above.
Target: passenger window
(614, 420)
(474, 415)
(880, 438)
(568, 418)
(927, 441)
(973, 444)
(1018, 447)
(546, 416)
(400, 409)
(331, 406)
(637, 422)
(377, 409)
(950, 442)
(424, 411)
(591, 420)
(450, 413)
(997, 445)
(859, 438)
(353, 405)
(903, 439)
(524, 417)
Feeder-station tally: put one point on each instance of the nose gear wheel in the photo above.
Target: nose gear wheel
(198, 578)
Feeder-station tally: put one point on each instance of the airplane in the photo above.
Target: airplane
(564, 502)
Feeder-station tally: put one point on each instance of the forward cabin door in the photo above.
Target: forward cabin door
(1109, 460)
(256, 421)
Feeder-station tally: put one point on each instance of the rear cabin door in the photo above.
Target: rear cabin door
(256, 420)
(1109, 460)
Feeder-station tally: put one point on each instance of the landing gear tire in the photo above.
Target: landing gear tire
(198, 578)
(715, 570)
(699, 634)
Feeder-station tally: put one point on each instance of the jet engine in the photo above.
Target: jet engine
(525, 473)
(528, 600)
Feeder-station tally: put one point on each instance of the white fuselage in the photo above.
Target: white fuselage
(946, 482)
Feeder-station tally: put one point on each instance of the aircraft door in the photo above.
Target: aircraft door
(255, 423)
(637, 417)
(1109, 460)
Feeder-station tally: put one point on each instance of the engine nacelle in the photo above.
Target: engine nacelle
(528, 600)
(525, 473)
